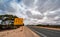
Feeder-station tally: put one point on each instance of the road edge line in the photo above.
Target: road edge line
(33, 32)
(39, 33)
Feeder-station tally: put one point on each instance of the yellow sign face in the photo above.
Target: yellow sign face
(18, 21)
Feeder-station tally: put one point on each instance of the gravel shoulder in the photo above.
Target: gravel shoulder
(20, 32)
(12, 33)
(30, 33)
(48, 28)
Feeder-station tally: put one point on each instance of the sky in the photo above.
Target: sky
(33, 11)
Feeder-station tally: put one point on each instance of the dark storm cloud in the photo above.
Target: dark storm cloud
(48, 5)
(5, 6)
(28, 3)
(29, 14)
(52, 15)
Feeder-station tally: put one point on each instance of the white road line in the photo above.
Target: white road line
(40, 33)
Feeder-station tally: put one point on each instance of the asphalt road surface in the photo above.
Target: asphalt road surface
(42, 32)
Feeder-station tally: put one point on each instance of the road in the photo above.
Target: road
(42, 32)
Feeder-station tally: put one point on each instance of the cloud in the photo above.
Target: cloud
(28, 3)
(33, 11)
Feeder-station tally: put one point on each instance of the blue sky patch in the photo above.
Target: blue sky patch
(18, 1)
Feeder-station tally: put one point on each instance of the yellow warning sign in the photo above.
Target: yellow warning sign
(18, 21)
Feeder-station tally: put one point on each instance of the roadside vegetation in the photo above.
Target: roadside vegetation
(53, 26)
